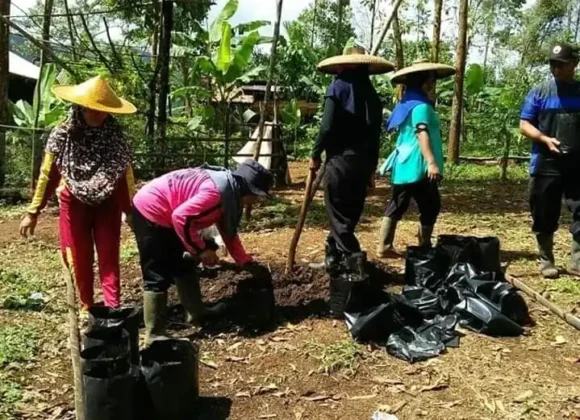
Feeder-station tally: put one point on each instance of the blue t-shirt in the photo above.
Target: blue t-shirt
(542, 107)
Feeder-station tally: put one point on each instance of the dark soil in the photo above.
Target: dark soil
(259, 304)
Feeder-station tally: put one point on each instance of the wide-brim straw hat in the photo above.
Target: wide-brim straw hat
(95, 94)
(442, 70)
(355, 56)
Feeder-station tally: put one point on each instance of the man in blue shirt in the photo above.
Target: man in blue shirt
(550, 118)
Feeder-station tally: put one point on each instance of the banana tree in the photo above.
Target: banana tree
(50, 109)
(221, 55)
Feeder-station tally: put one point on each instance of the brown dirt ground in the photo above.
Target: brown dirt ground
(275, 373)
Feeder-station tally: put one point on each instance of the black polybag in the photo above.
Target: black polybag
(109, 383)
(170, 368)
(349, 286)
(115, 336)
(428, 340)
(129, 318)
(426, 302)
(426, 267)
(382, 319)
(483, 253)
(484, 302)
(259, 289)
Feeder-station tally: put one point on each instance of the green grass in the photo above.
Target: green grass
(129, 252)
(280, 212)
(341, 356)
(473, 172)
(10, 211)
(16, 288)
(17, 344)
(568, 286)
(10, 395)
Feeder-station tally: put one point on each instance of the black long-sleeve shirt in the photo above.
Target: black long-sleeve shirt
(352, 121)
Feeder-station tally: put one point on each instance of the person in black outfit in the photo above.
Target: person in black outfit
(350, 136)
(550, 117)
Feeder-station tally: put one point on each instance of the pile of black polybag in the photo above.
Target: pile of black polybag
(457, 282)
(123, 383)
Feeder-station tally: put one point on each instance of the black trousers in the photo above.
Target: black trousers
(426, 195)
(160, 253)
(347, 179)
(546, 192)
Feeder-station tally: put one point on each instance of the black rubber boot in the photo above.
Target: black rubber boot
(424, 235)
(546, 249)
(574, 268)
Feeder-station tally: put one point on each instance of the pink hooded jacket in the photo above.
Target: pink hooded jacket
(188, 201)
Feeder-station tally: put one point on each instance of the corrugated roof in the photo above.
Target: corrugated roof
(20, 67)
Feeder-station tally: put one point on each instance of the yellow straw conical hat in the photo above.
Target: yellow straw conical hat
(95, 94)
(355, 56)
(442, 70)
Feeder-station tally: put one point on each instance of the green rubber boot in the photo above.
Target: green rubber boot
(385, 247)
(546, 249)
(154, 308)
(574, 268)
(189, 292)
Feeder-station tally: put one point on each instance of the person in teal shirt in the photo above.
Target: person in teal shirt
(416, 164)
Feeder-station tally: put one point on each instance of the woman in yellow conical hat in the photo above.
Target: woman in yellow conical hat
(87, 161)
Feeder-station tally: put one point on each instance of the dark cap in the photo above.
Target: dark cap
(258, 179)
(563, 52)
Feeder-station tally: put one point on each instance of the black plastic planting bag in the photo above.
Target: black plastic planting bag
(483, 253)
(259, 290)
(109, 383)
(350, 286)
(426, 302)
(170, 368)
(426, 267)
(378, 322)
(429, 340)
(129, 318)
(116, 337)
(485, 304)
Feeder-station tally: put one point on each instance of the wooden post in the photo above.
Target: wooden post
(457, 107)
(270, 77)
(74, 343)
(4, 57)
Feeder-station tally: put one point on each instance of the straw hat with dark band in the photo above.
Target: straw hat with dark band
(355, 56)
(442, 70)
(95, 94)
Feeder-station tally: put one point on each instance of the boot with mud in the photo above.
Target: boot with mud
(546, 248)
(574, 268)
(154, 313)
(196, 312)
(424, 235)
(385, 248)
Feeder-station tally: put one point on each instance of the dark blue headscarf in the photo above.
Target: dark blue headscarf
(411, 99)
(352, 89)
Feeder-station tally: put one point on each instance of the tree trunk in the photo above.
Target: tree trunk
(186, 98)
(164, 57)
(69, 20)
(436, 42)
(36, 155)
(315, 15)
(377, 46)
(399, 53)
(457, 107)
(4, 48)
(374, 5)
(577, 25)
(338, 45)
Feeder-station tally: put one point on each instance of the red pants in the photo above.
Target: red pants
(82, 228)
